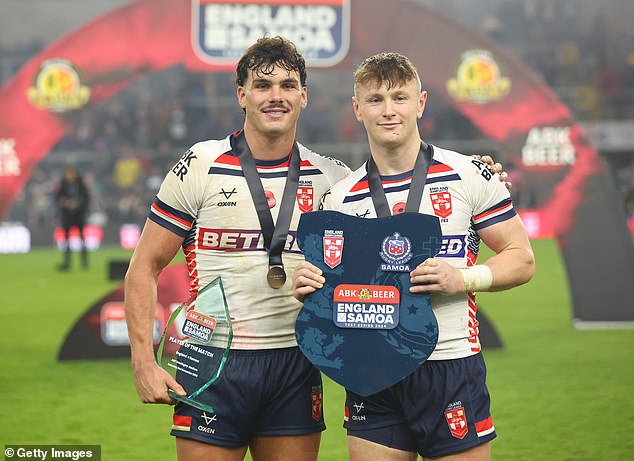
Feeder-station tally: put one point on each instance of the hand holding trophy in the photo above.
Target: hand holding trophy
(196, 342)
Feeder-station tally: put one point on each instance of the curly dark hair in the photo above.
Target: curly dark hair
(268, 52)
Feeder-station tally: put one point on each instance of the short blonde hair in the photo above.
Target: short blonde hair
(393, 69)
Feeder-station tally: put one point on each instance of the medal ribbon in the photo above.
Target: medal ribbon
(415, 194)
(274, 234)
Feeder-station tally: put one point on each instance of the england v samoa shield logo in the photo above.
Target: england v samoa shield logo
(364, 329)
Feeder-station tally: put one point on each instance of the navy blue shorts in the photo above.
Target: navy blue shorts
(273, 392)
(440, 409)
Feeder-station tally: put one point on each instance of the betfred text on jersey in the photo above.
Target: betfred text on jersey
(453, 246)
(239, 239)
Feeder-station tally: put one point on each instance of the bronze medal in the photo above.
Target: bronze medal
(276, 277)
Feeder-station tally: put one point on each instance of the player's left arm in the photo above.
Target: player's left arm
(514, 262)
(512, 265)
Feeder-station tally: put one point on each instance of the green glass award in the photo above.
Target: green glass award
(196, 343)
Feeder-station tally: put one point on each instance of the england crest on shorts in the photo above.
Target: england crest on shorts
(457, 422)
(333, 247)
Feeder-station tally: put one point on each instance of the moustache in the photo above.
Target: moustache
(276, 106)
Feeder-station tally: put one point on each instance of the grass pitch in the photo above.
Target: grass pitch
(558, 394)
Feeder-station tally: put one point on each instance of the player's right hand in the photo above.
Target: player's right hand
(307, 278)
(152, 384)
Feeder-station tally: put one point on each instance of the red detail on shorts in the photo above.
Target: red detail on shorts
(182, 421)
(484, 426)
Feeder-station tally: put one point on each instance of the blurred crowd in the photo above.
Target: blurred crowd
(124, 146)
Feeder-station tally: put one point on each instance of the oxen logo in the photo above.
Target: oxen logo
(333, 248)
(222, 30)
(305, 199)
(396, 249)
(441, 202)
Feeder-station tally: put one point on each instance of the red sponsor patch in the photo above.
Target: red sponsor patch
(441, 202)
(317, 398)
(457, 422)
(305, 199)
(333, 249)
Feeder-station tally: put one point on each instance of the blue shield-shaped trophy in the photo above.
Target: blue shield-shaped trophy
(364, 329)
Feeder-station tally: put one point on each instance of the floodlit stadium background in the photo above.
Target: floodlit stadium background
(584, 50)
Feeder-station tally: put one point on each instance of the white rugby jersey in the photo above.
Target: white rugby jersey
(466, 197)
(206, 200)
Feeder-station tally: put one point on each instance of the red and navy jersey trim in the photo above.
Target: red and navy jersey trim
(438, 172)
(229, 164)
(497, 213)
(170, 218)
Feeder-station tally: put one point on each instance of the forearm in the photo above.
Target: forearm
(140, 307)
(511, 268)
(513, 263)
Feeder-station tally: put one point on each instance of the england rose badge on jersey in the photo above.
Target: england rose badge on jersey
(305, 198)
(333, 247)
(441, 202)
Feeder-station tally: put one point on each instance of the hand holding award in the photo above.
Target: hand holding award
(196, 343)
